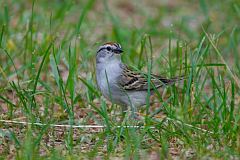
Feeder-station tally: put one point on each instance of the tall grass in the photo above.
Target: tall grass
(47, 76)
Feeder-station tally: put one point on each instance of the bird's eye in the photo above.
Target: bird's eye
(108, 48)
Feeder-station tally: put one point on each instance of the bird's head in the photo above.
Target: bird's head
(108, 52)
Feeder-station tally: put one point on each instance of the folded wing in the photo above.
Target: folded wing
(131, 80)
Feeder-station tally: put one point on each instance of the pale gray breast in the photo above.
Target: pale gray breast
(107, 78)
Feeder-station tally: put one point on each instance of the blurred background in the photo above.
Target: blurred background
(87, 24)
(47, 73)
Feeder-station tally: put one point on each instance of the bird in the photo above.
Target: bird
(122, 85)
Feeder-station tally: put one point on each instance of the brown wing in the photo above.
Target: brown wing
(131, 80)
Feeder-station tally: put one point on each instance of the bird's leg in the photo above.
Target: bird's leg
(124, 111)
(133, 112)
(129, 113)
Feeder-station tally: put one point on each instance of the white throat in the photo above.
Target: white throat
(110, 68)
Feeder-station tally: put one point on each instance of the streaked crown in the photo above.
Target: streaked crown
(112, 47)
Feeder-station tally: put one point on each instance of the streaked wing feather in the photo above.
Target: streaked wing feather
(131, 80)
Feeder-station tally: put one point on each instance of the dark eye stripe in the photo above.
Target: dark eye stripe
(108, 48)
(100, 49)
(110, 45)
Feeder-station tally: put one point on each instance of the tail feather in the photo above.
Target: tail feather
(171, 81)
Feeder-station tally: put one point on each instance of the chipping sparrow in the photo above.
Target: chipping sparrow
(118, 83)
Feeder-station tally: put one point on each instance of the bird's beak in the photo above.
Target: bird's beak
(118, 51)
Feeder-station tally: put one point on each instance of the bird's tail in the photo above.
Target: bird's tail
(171, 81)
